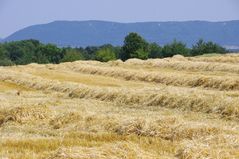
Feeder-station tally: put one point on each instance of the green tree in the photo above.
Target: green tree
(40, 58)
(3, 52)
(115, 49)
(214, 48)
(141, 54)
(176, 47)
(198, 48)
(105, 54)
(51, 52)
(134, 45)
(15, 51)
(6, 62)
(155, 51)
(71, 55)
(21, 52)
(202, 47)
(90, 52)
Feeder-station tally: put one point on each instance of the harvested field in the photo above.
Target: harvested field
(178, 107)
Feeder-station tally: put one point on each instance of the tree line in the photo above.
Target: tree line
(33, 51)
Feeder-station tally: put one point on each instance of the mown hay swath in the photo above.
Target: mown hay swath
(179, 108)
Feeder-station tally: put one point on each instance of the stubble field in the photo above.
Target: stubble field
(185, 108)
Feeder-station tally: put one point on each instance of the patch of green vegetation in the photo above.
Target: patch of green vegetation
(32, 51)
(209, 55)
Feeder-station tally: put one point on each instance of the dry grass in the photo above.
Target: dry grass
(137, 109)
(169, 77)
(187, 64)
(227, 58)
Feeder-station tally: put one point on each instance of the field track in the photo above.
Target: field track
(185, 108)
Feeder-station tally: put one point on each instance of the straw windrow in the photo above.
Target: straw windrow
(165, 108)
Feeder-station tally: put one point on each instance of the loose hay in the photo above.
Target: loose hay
(23, 114)
(181, 108)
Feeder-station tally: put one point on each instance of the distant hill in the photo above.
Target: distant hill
(89, 33)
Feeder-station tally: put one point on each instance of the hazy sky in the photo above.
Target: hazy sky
(17, 14)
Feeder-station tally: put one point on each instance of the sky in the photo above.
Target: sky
(17, 14)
